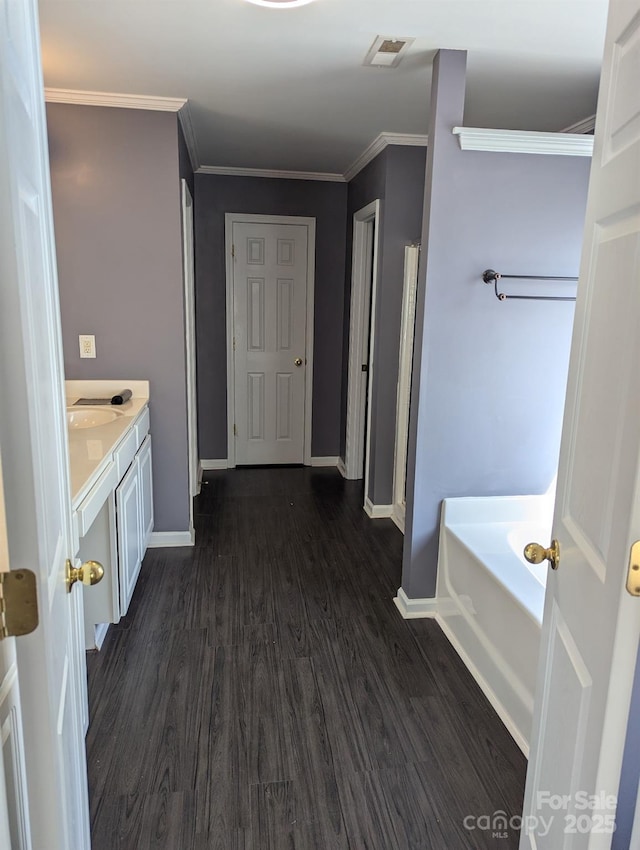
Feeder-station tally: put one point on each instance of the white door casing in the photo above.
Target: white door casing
(405, 370)
(364, 282)
(270, 266)
(190, 342)
(33, 445)
(591, 623)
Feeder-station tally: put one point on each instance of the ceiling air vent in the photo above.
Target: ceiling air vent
(387, 52)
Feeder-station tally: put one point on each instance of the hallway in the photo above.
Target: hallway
(263, 693)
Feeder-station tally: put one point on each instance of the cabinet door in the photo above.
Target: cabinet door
(129, 534)
(146, 491)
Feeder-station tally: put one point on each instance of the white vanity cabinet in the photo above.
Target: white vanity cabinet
(134, 517)
(114, 522)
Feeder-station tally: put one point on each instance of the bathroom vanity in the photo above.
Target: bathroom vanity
(111, 494)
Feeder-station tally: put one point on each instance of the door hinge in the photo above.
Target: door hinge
(235, 430)
(633, 573)
(233, 251)
(18, 603)
(234, 343)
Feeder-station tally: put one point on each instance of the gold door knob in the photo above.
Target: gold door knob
(298, 361)
(90, 573)
(536, 554)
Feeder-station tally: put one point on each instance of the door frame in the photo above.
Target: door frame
(405, 372)
(364, 287)
(251, 218)
(195, 470)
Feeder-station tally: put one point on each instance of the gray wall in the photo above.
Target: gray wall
(628, 793)
(216, 195)
(396, 177)
(483, 368)
(116, 203)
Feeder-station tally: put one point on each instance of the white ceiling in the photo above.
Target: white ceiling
(286, 89)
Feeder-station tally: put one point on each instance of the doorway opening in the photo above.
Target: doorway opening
(364, 278)
(405, 371)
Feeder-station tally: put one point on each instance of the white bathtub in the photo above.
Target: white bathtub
(490, 600)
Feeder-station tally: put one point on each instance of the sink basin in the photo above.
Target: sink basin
(90, 417)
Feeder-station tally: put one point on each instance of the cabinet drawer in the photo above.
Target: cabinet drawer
(126, 452)
(90, 506)
(142, 426)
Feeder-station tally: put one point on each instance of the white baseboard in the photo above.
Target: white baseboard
(377, 511)
(324, 461)
(414, 609)
(342, 469)
(101, 633)
(216, 463)
(398, 516)
(160, 539)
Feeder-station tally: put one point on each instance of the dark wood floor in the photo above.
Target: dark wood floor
(263, 693)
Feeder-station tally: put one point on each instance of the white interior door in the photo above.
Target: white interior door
(270, 270)
(591, 623)
(405, 370)
(190, 336)
(48, 664)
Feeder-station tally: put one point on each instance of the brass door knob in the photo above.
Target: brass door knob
(90, 573)
(298, 361)
(536, 554)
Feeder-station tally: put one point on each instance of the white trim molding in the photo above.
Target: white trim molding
(587, 125)
(101, 630)
(214, 463)
(378, 145)
(377, 511)
(342, 469)
(414, 609)
(398, 516)
(364, 282)
(123, 101)
(160, 539)
(523, 141)
(325, 461)
(232, 171)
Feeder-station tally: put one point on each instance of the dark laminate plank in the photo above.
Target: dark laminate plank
(222, 769)
(263, 691)
(168, 822)
(269, 742)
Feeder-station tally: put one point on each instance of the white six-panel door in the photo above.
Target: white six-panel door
(270, 277)
(48, 665)
(591, 623)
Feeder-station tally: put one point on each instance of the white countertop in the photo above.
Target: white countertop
(90, 449)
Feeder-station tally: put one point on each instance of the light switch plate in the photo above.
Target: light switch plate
(87, 345)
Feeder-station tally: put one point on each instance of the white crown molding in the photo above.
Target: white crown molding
(587, 125)
(126, 101)
(184, 117)
(265, 172)
(523, 141)
(378, 145)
